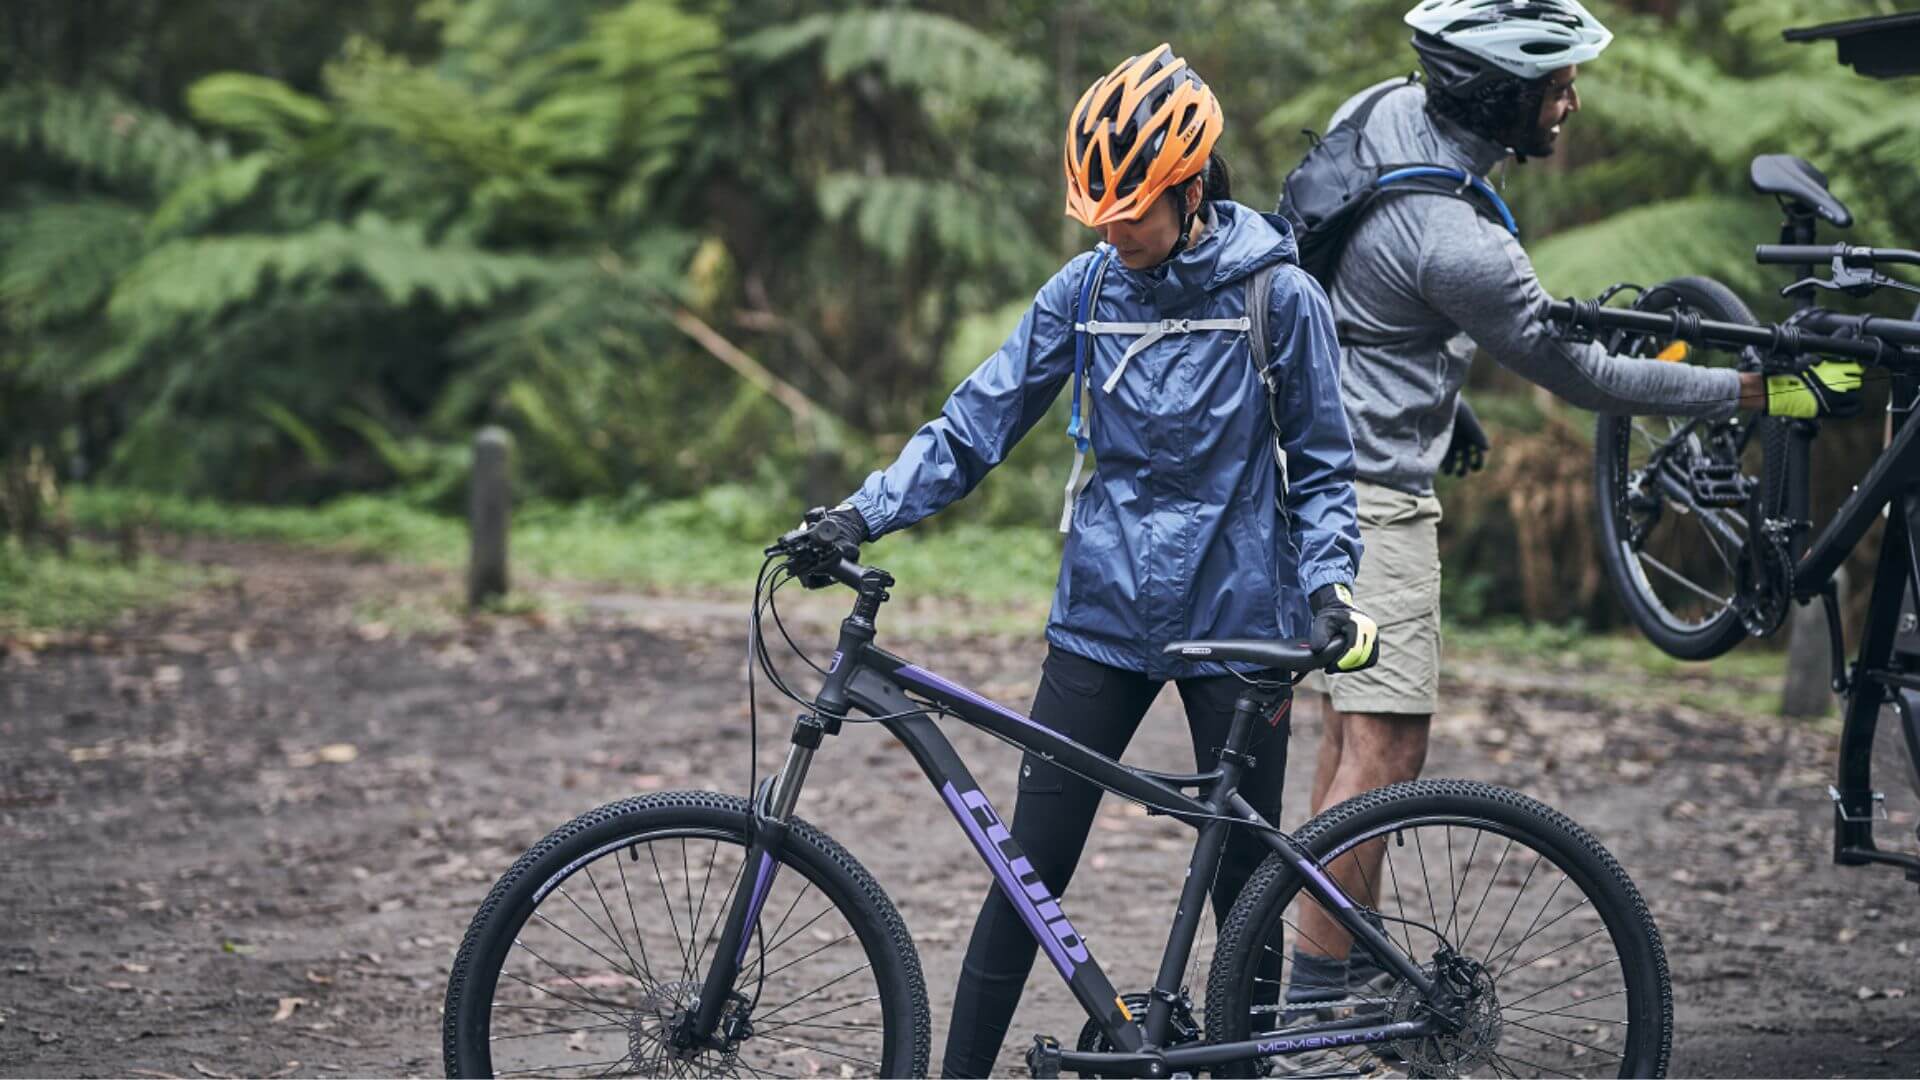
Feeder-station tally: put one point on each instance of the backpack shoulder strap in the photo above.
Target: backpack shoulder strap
(1259, 300)
(1359, 117)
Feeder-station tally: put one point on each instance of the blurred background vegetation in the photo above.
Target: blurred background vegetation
(712, 261)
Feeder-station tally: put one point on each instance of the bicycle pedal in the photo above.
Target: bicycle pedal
(1043, 1057)
(1718, 484)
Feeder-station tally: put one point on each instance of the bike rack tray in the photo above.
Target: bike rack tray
(1883, 47)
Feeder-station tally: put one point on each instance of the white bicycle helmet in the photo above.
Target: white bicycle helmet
(1467, 43)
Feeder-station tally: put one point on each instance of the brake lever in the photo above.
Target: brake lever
(1852, 280)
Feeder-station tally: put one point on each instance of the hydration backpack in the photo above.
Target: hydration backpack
(1330, 191)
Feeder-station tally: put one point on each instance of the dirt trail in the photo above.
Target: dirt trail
(243, 836)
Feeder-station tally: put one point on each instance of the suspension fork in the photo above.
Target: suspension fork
(773, 809)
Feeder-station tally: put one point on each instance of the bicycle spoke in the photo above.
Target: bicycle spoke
(1406, 932)
(1548, 902)
(1563, 1038)
(782, 924)
(583, 987)
(815, 990)
(1488, 891)
(806, 956)
(823, 1012)
(1515, 906)
(1555, 949)
(693, 925)
(632, 913)
(1529, 1064)
(583, 1007)
(1565, 981)
(554, 1068)
(824, 1050)
(686, 959)
(611, 921)
(1575, 1016)
(1683, 581)
(553, 1031)
(1426, 881)
(775, 947)
(611, 962)
(719, 916)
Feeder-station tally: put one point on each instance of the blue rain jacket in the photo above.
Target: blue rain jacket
(1187, 528)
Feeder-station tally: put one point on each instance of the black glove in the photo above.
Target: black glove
(1467, 452)
(1335, 619)
(837, 533)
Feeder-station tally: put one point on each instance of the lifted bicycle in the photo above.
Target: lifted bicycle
(1706, 529)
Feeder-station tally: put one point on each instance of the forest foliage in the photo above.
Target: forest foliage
(282, 252)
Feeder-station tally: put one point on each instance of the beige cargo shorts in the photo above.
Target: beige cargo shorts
(1399, 587)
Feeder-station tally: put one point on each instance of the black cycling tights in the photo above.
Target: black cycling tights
(1099, 707)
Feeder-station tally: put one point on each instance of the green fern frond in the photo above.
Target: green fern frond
(912, 50)
(194, 280)
(312, 446)
(105, 136)
(203, 197)
(59, 260)
(266, 109)
(894, 215)
(1711, 235)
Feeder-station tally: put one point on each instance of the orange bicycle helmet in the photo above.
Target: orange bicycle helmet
(1144, 127)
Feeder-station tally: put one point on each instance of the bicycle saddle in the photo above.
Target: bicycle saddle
(1287, 656)
(1791, 178)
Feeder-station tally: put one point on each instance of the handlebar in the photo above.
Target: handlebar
(1848, 254)
(1869, 336)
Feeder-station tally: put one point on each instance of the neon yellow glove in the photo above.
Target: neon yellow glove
(1828, 388)
(1335, 619)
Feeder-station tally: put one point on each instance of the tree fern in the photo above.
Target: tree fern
(104, 135)
(911, 50)
(195, 280)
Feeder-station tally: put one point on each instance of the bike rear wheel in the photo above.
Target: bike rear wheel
(1675, 497)
(1568, 974)
(586, 953)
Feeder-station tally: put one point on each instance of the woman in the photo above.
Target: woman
(1180, 532)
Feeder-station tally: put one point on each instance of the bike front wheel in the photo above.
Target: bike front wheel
(1551, 947)
(595, 945)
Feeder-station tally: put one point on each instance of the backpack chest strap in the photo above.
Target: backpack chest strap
(1150, 332)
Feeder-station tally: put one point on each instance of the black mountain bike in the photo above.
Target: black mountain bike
(702, 934)
(1704, 525)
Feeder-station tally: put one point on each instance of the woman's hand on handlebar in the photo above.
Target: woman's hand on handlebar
(824, 538)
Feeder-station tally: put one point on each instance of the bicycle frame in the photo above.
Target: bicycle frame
(1877, 677)
(864, 677)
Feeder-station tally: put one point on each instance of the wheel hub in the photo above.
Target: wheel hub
(1475, 1020)
(661, 1028)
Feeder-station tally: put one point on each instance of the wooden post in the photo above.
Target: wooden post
(1809, 685)
(489, 508)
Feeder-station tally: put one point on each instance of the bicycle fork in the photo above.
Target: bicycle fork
(772, 809)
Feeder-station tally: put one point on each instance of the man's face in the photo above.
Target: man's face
(1561, 101)
(1142, 244)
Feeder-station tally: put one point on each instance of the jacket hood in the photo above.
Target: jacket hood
(1238, 242)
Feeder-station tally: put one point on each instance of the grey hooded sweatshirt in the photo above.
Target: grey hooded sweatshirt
(1422, 269)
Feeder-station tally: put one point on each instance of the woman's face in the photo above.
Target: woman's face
(1144, 243)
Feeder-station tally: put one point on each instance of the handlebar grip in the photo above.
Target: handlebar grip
(1800, 254)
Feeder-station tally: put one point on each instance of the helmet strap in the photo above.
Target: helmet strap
(1187, 217)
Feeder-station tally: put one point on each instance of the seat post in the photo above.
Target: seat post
(1253, 706)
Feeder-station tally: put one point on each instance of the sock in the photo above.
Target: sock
(1361, 966)
(1316, 978)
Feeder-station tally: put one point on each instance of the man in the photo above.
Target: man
(1418, 271)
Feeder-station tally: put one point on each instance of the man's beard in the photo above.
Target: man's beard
(1536, 141)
